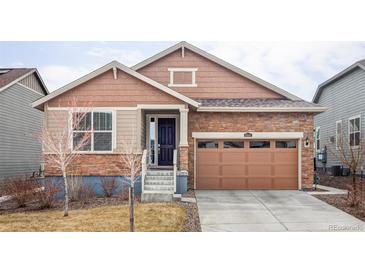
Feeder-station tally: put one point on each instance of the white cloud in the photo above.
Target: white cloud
(56, 76)
(126, 57)
(297, 67)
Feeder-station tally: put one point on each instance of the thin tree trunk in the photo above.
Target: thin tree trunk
(131, 209)
(65, 213)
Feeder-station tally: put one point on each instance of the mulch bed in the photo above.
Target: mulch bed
(340, 201)
(341, 182)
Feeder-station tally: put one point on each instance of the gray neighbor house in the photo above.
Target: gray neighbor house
(344, 96)
(20, 152)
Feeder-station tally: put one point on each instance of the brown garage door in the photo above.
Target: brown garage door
(253, 164)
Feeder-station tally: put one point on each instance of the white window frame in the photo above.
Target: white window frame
(339, 122)
(193, 77)
(317, 138)
(348, 129)
(92, 131)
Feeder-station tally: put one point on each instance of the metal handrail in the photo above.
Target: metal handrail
(144, 167)
(175, 168)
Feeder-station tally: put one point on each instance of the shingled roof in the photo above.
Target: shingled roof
(11, 74)
(269, 104)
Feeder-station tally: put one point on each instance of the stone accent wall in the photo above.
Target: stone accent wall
(184, 158)
(90, 165)
(254, 122)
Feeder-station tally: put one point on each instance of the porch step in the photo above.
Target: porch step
(160, 173)
(159, 188)
(156, 197)
(160, 178)
(159, 182)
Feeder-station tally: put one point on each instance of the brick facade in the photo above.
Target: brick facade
(184, 158)
(255, 122)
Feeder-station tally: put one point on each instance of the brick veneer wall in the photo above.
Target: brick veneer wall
(90, 165)
(184, 158)
(255, 122)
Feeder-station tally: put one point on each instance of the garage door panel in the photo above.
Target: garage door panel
(247, 168)
(285, 183)
(234, 183)
(233, 157)
(259, 183)
(256, 170)
(255, 155)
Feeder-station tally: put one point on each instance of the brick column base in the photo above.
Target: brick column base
(184, 158)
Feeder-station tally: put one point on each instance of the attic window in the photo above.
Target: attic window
(182, 77)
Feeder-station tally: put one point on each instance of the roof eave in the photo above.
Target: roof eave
(262, 109)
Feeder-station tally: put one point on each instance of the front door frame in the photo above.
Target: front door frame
(177, 134)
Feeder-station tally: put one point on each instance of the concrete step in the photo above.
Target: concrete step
(159, 187)
(160, 178)
(160, 173)
(158, 182)
(156, 197)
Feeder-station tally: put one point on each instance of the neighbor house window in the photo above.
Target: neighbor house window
(354, 131)
(338, 133)
(318, 138)
(182, 77)
(100, 127)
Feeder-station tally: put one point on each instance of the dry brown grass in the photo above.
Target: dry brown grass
(148, 217)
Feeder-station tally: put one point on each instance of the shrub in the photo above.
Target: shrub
(46, 197)
(21, 189)
(108, 185)
(124, 195)
(75, 185)
(86, 194)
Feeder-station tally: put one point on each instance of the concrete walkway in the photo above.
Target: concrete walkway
(270, 210)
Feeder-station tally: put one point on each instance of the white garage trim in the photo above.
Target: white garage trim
(255, 135)
(241, 135)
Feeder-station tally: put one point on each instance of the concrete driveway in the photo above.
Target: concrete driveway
(270, 210)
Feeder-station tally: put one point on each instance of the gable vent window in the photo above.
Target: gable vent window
(182, 77)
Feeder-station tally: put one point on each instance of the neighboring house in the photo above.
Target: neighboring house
(344, 96)
(228, 128)
(20, 151)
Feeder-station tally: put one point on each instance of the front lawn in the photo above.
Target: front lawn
(148, 217)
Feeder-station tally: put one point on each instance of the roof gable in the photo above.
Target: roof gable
(185, 45)
(343, 73)
(113, 66)
(11, 76)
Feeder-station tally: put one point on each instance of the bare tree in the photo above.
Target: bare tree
(350, 152)
(60, 144)
(131, 158)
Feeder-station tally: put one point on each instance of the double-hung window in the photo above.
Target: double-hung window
(99, 125)
(354, 131)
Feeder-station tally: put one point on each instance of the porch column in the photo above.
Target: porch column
(184, 145)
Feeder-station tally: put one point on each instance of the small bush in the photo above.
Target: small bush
(21, 189)
(108, 185)
(124, 195)
(86, 194)
(75, 185)
(46, 197)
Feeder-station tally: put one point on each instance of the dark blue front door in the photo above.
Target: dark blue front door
(166, 141)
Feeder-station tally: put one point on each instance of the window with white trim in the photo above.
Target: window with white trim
(318, 138)
(100, 127)
(338, 133)
(354, 131)
(182, 77)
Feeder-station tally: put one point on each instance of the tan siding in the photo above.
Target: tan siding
(32, 82)
(56, 119)
(105, 91)
(213, 80)
(127, 128)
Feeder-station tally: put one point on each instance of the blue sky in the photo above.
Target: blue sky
(297, 67)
